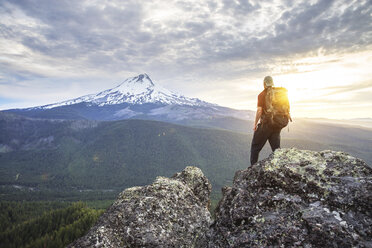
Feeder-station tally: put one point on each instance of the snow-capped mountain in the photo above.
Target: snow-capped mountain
(139, 98)
(136, 90)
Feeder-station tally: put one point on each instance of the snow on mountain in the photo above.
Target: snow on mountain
(136, 97)
(136, 90)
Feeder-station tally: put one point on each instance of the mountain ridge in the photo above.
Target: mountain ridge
(137, 97)
(58, 153)
(136, 90)
(86, 155)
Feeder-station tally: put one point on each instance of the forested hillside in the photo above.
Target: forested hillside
(78, 157)
(56, 228)
(88, 160)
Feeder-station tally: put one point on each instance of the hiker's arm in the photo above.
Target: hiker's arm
(289, 116)
(258, 116)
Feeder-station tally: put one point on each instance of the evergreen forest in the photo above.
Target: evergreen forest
(44, 224)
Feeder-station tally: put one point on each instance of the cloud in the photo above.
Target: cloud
(213, 32)
(353, 95)
(360, 86)
(176, 41)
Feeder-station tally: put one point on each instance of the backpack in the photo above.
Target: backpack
(277, 106)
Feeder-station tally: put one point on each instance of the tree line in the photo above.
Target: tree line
(56, 228)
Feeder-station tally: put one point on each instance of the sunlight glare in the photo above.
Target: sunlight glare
(312, 80)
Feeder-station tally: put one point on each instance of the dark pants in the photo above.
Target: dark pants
(263, 133)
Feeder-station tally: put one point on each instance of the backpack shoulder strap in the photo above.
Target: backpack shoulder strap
(268, 99)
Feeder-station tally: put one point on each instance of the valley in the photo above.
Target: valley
(91, 148)
(94, 160)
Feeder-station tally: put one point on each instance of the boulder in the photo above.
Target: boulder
(171, 212)
(297, 198)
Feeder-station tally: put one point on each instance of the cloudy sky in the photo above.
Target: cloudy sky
(216, 50)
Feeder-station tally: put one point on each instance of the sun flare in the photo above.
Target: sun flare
(316, 83)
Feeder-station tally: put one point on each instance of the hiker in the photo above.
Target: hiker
(271, 116)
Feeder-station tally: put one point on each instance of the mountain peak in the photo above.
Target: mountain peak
(136, 90)
(135, 85)
(142, 77)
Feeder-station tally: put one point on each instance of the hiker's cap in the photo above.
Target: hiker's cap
(268, 81)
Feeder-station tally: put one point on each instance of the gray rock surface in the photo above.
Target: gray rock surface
(171, 212)
(297, 198)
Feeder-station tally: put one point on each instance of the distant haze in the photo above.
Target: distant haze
(216, 50)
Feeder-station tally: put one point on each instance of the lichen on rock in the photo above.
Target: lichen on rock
(297, 198)
(171, 212)
(294, 198)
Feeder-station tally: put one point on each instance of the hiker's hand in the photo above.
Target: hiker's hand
(255, 127)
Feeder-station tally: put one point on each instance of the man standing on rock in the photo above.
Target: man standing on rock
(271, 116)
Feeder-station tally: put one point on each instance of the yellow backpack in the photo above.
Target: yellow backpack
(277, 106)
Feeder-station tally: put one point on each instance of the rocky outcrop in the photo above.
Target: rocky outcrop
(171, 212)
(294, 198)
(297, 199)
